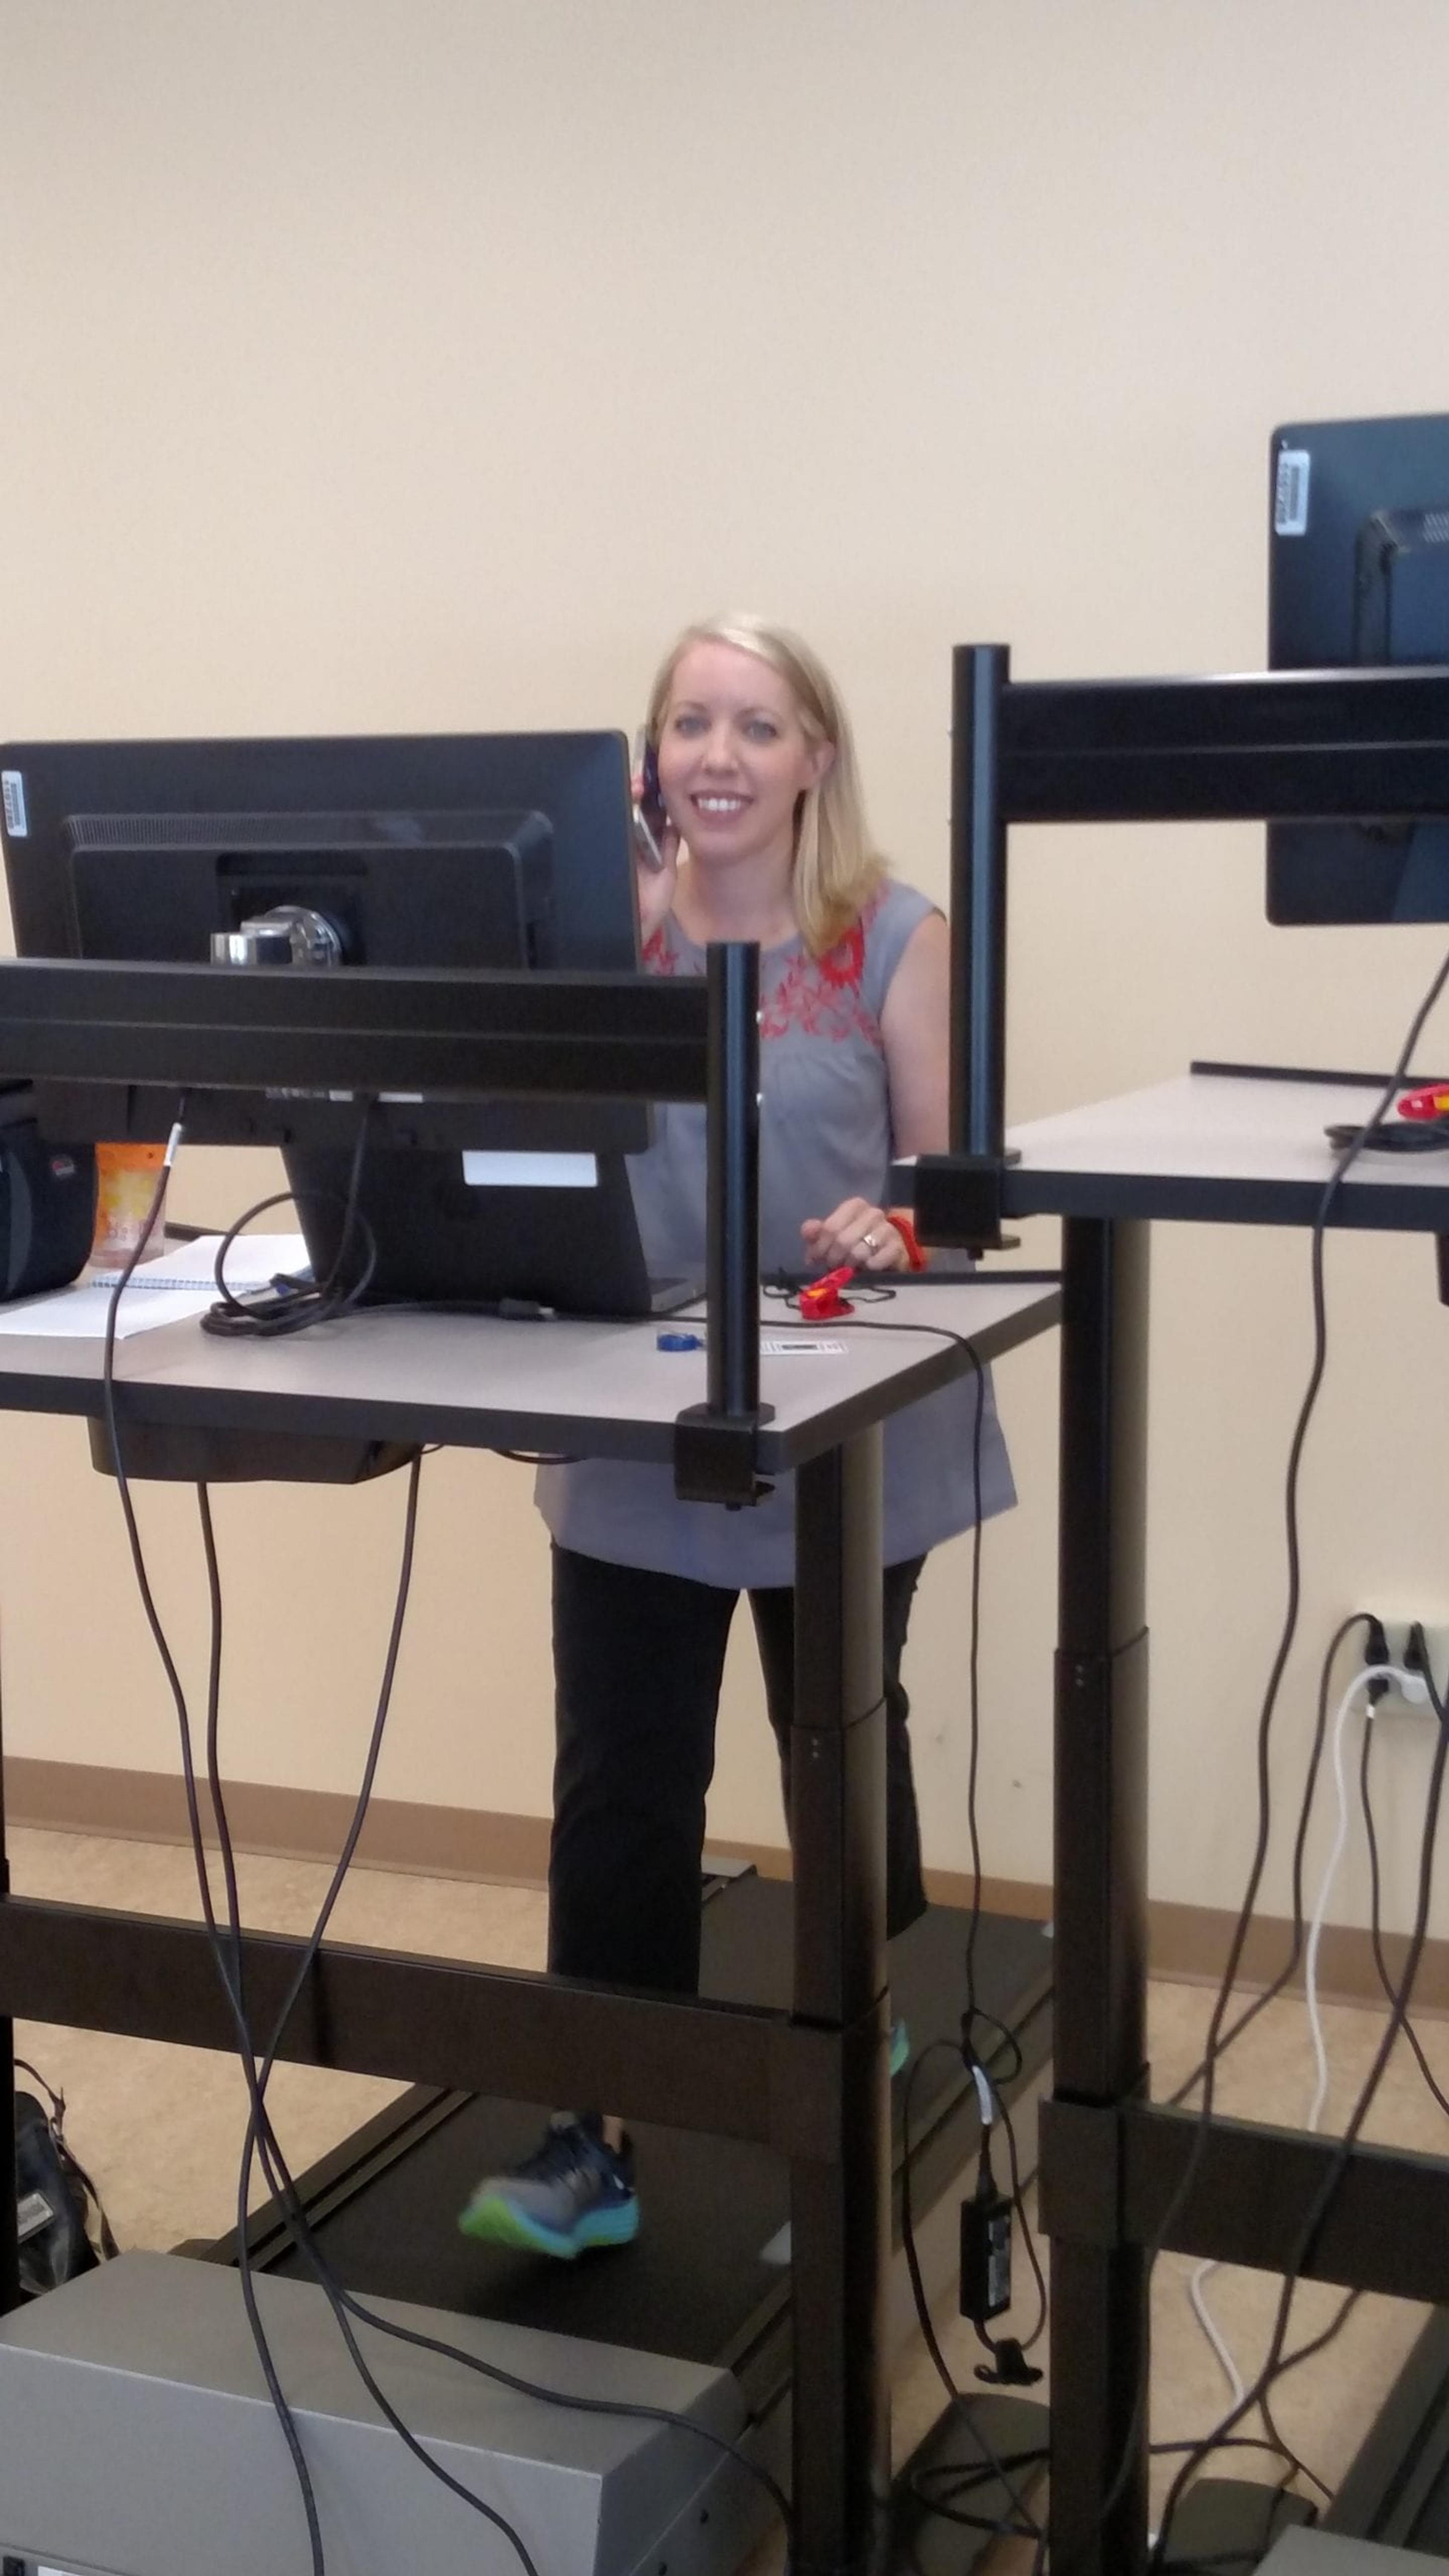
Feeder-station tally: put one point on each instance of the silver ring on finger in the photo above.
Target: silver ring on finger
(869, 1243)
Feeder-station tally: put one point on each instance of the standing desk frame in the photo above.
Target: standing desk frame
(1290, 745)
(812, 2083)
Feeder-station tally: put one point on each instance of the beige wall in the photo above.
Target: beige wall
(422, 363)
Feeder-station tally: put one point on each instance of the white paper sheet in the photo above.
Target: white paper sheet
(252, 1260)
(169, 1291)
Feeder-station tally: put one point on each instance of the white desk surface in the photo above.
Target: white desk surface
(1222, 1147)
(587, 1388)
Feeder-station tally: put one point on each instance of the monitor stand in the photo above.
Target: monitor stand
(548, 1234)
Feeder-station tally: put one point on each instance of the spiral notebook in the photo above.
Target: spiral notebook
(171, 1290)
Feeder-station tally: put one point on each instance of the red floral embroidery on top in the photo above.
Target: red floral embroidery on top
(846, 961)
(821, 995)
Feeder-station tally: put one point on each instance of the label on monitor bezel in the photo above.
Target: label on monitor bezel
(1290, 492)
(12, 789)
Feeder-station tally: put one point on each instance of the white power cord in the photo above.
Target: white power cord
(1206, 2320)
(1396, 1679)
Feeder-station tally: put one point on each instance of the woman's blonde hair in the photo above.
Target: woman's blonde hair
(837, 868)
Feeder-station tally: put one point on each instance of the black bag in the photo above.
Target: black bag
(54, 2197)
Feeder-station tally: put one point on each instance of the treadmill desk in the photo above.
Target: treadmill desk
(812, 2083)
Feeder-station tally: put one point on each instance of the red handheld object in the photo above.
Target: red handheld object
(822, 1300)
(1425, 1104)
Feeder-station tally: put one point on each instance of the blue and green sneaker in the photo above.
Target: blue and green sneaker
(573, 2192)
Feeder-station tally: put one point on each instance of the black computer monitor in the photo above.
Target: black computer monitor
(1359, 576)
(506, 850)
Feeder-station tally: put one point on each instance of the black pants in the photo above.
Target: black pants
(638, 1659)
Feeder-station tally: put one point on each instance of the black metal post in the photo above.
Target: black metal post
(9, 2211)
(978, 902)
(732, 1237)
(840, 2214)
(1099, 2415)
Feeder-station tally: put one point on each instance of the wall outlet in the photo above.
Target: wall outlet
(1396, 1629)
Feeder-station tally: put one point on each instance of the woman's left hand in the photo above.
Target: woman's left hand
(855, 1232)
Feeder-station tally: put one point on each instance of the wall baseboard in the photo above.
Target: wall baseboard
(289, 1824)
(1187, 1943)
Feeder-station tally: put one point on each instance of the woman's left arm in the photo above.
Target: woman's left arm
(915, 1026)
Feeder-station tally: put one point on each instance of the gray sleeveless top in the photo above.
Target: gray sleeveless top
(825, 1136)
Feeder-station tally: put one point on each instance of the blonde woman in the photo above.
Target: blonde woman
(764, 839)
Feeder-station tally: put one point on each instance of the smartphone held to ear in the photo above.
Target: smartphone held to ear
(650, 820)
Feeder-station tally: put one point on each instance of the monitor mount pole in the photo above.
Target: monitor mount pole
(957, 1195)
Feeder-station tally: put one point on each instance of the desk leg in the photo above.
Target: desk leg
(9, 2215)
(1099, 2338)
(840, 2216)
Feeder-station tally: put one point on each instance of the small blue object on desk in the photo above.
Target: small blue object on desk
(679, 1341)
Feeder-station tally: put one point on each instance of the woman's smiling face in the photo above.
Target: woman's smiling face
(734, 755)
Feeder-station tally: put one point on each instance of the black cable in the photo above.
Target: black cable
(1283, 2449)
(1277, 2441)
(128, 1512)
(908, 2230)
(1243, 2442)
(940, 2484)
(1271, 1991)
(1323, 2197)
(958, 2478)
(1346, 1158)
(992, 2464)
(229, 1965)
(1226, 2441)
(1039, 2277)
(298, 1304)
(1375, 1922)
(231, 1959)
(973, 1701)
(213, 1761)
(1384, 1136)
(262, 2140)
(256, 2079)
(260, 2135)
(974, 2015)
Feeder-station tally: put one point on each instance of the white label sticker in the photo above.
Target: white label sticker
(12, 786)
(1290, 493)
(769, 1349)
(32, 2213)
(487, 1171)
